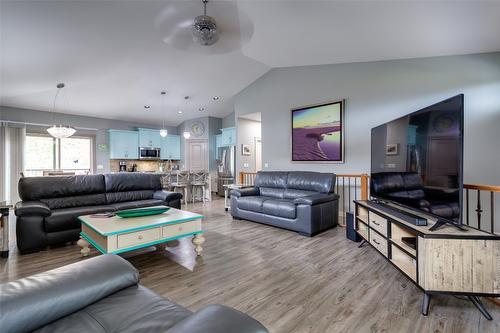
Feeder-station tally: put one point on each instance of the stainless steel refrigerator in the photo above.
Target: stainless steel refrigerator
(226, 167)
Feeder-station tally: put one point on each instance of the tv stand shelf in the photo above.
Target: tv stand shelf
(447, 260)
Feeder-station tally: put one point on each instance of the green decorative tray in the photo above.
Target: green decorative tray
(142, 211)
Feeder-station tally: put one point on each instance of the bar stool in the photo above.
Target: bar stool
(181, 183)
(199, 180)
(166, 181)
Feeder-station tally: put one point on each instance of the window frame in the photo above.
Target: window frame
(56, 161)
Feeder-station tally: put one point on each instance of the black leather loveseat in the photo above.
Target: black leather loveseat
(296, 200)
(102, 294)
(50, 206)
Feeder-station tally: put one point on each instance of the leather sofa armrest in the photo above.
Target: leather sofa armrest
(166, 195)
(217, 318)
(32, 208)
(49, 296)
(315, 199)
(244, 192)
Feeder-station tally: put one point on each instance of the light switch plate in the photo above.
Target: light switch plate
(266, 165)
(100, 166)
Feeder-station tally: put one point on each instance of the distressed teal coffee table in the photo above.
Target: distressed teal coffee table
(119, 235)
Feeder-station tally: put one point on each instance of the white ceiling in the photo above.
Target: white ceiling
(115, 57)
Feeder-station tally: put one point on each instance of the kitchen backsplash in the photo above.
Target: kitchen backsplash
(142, 165)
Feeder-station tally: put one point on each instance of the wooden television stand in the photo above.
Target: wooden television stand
(447, 260)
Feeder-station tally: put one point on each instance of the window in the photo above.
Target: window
(45, 153)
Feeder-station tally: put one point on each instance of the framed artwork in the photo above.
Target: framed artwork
(392, 149)
(245, 150)
(318, 133)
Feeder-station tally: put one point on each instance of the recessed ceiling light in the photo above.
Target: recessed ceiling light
(201, 109)
(216, 98)
(147, 107)
(179, 112)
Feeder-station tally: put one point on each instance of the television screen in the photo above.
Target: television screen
(416, 160)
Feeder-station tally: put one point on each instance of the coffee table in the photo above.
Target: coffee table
(119, 235)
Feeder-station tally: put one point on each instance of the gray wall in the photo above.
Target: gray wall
(248, 130)
(229, 120)
(96, 127)
(212, 127)
(377, 92)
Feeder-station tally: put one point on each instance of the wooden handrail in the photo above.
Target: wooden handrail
(489, 188)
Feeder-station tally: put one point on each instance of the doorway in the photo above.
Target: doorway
(258, 154)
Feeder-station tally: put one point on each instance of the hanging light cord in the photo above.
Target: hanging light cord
(205, 7)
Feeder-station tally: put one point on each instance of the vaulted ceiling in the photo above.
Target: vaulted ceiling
(116, 56)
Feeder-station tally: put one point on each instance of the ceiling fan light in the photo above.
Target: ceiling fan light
(163, 132)
(186, 135)
(205, 30)
(61, 131)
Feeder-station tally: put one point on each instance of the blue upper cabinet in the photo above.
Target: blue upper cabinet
(149, 138)
(228, 136)
(170, 147)
(123, 144)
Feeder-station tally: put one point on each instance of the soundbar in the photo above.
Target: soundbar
(400, 214)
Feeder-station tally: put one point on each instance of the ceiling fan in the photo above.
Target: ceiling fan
(226, 30)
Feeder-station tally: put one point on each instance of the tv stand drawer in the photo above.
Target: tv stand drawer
(378, 223)
(379, 242)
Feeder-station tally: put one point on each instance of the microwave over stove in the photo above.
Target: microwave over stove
(149, 153)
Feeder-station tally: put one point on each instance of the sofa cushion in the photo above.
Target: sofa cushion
(294, 194)
(67, 218)
(138, 204)
(275, 179)
(36, 188)
(124, 182)
(272, 192)
(311, 181)
(64, 191)
(151, 313)
(283, 208)
(115, 197)
(252, 203)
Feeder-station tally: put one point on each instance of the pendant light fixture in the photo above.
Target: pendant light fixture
(60, 131)
(163, 131)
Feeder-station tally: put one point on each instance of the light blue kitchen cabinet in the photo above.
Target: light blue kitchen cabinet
(123, 144)
(218, 140)
(228, 136)
(170, 147)
(149, 138)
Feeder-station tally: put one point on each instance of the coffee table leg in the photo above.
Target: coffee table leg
(198, 239)
(82, 242)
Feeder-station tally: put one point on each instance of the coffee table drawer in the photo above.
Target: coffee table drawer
(180, 229)
(138, 237)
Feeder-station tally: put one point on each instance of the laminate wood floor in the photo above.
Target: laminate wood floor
(288, 282)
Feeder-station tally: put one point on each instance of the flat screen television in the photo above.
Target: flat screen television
(416, 161)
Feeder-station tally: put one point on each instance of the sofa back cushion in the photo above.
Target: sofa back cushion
(122, 187)
(311, 181)
(64, 191)
(271, 183)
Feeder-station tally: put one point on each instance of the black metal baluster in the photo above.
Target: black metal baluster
(478, 209)
(492, 206)
(467, 205)
(349, 184)
(355, 188)
(343, 198)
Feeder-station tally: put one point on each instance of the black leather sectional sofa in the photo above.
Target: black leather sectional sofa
(297, 200)
(102, 294)
(50, 206)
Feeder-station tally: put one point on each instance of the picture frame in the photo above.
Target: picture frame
(245, 150)
(392, 149)
(318, 133)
